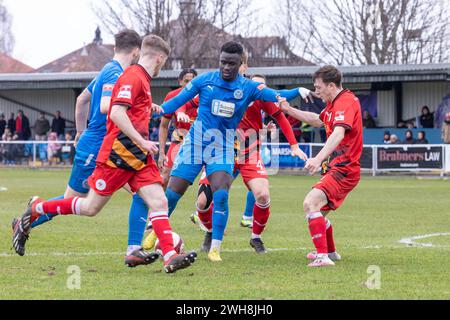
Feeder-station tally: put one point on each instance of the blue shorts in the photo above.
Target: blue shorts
(187, 166)
(82, 169)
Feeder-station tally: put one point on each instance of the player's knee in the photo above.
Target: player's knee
(220, 198)
(309, 205)
(262, 196)
(201, 203)
(160, 204)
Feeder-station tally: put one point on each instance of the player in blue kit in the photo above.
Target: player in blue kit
(93, 105)
(224, 97)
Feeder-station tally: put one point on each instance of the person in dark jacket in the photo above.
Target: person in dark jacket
(23, 126)
(12, 123)
(41, 127)
(421, 138)
(2, 125)
(368, 120)
(409, 138)
(426, 118)
(59, 125)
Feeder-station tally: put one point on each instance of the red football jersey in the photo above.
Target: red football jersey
(345, 111)
(190, 109)
(132, 90)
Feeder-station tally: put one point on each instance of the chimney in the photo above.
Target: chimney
(187, 8)
(98, 37)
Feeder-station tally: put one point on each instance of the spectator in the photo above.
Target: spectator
(387, 137)
(59, 125)
(68, 150)
(2, 125)
(12, 123)
(368, 120)
(409, 138)
(426, 119)
(22, 126)
(446, 128)
(7, 149)
(410, 125)
(421, 138)
(394, 139)
(53, 149)
(41, 127)
(6, 134)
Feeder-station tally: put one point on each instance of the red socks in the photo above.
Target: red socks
(261, 215)
(205, 217)
(62, 207)
(317, 228)
(330, 239)
(161, 226)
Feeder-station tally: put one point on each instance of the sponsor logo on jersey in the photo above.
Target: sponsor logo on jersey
(125, 92)
(340, 116)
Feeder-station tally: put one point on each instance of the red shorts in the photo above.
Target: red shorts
(254, 169)
(337, 185)
(172, 153)
(106, 180)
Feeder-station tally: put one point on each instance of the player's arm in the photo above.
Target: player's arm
(313, 165)
(105, 102)
(82, 112)
(163, 133)
(187, 94)
(286, 128)
(120, 118)
(309, 117)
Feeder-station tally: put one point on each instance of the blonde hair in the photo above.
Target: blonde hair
(152, 44)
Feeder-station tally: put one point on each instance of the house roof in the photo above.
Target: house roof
(10, 65)
(90, 58)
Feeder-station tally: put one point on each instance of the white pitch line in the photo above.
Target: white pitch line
(411, 241)
(3, 189)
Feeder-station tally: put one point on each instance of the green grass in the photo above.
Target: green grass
(379, 213)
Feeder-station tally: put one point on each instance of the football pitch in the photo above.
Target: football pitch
(393, 235)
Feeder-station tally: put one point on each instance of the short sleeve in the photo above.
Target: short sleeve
(108, 84)
(344, 113)
(91, 86)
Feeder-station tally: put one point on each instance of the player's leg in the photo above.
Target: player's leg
(314, 201)
(77, 187)
(205, 208)
(220, 181)
(154, 197)
(261, 211)
(332, 253)
(247, 216)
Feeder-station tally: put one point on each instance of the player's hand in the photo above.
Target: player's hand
(271, 126)
(307, 95)
(183, 117)
(283, 104)
(313, 165)
(162, 161)
(297, 152)
(157, 109)
(77, 138)
(150, 146)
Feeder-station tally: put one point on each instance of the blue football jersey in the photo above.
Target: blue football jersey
(100, 87)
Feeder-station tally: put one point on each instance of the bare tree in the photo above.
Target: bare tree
(194, 27)
(368, 31)
(6, 35)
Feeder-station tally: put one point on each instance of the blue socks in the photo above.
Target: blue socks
(45, 217)
(250, 205)
(220, 214)
(137, 221)
(172, 198)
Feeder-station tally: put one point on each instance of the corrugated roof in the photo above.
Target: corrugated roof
(276, 75)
